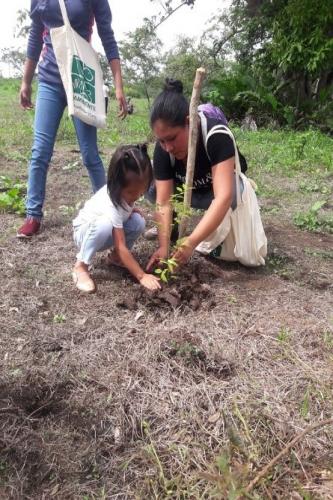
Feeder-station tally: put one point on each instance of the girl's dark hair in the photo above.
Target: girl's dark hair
(170, 105)
(128, 164)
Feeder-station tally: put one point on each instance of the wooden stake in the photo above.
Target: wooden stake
(192, 146)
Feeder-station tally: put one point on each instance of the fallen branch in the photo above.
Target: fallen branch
(285, 450)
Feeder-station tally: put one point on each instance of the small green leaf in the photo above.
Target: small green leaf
(163, 278)
(317, 205)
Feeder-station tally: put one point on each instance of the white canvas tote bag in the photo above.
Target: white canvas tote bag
(80, 72)
(241, 230)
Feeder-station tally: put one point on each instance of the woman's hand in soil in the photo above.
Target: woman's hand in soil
(151, 282)
(183, 254)
(158, 255)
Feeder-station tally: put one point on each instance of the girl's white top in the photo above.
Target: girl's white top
(100, 205)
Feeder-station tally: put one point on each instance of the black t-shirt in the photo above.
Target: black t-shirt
(220, 147)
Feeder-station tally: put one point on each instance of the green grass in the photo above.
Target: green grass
(312, 221)
(288, 152)
(17, 125)
(292, 169)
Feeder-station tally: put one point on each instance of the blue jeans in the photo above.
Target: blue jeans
(96, 236)
(50, 104)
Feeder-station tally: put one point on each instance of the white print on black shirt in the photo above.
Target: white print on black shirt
(197, 183)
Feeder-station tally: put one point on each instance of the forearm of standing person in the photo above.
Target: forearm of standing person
(29, 71)
(119, 88)
(34, 48)
(26, 88)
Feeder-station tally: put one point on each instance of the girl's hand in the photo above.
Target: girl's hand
(150, 281)
(183, 254)
(159, 254)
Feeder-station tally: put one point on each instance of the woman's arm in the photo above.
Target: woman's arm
(34, 48)
(147, 280)
(223, 185)
(163, 219)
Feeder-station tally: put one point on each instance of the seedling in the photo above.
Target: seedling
(284, 335)
(166, 273)
(169, 265)
(59, 318)
(177, 202)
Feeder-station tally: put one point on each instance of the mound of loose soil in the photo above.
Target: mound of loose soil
(185, 290)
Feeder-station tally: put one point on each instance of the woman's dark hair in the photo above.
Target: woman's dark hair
(170, 105)
(128, 164)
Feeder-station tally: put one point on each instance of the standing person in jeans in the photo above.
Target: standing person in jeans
(51, 98)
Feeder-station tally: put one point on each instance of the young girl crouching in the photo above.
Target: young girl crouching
(109, 220)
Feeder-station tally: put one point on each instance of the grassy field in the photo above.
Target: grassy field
(120, 396)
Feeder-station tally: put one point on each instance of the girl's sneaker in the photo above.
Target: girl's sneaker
(30, 227)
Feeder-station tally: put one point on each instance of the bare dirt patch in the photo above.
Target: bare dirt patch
(186, 394)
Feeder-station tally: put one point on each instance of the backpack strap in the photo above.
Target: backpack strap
(223, 129)
(205, 133)
(203, 121)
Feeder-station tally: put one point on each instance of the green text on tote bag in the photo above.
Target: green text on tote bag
(83, 79)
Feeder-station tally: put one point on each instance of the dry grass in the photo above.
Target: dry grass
(100, 402)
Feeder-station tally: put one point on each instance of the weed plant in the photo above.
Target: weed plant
(311, 221)
(12, 196)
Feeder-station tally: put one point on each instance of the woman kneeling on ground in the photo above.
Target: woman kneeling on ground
(214, 183)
